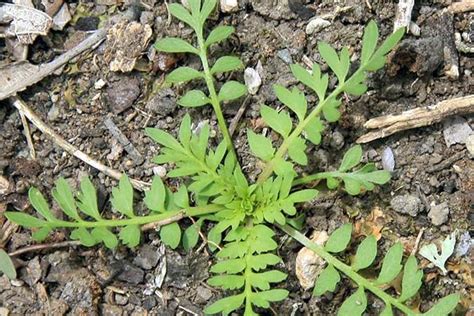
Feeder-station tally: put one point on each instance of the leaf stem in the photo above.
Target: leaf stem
(213, 95)
(139, 220)
(347, 270)
(317, 176)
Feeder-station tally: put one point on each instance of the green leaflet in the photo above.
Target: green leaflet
(219, 34)
(130, 235)
(444, 306)
(155, 197)
(226, 64)
(260, 146)
(354, 304)
(411, 281)
(351, 158)
(391, 266)
(296, 151)
(88, 199)
(122, 197)
(6, 265)
(339, 239)
(194, 98)
(327, 281)
(40, 204)
(366, 253)
(293, 99)
(278, 121)
(175, 45)
(171, 235)
(63, 195)
(232, 90)
(183, 74)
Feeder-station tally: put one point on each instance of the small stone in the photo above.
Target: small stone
(159, 171)
(439, 213)
(407, 204)
(163, 103)
(456, 131)
(53, 113)
(252, 80)
(388, 160)
(470, 144)
(131, 274)
(111, 310)
(122, 93)
(121, 299)
(4, 311)
(308, 264)
(99, 84)
(203, 294)
(87, 23)
(464, 244)
(316, 25)
(285, 55)
(148, 257)
(61, 18)
(229, 5)
(337, 140)
(4, 185)
(149, 303)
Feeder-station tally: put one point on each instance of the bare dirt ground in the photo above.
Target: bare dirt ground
(432, 185)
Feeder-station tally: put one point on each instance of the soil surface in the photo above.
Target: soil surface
(432, 187)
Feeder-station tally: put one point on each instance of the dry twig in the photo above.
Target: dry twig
(463, 6)
(62, 244)
(390, 124)
(61, 142)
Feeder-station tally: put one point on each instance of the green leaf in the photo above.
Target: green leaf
(227, 282)
(355, 304)
(378, 177)
(293, 99)
(40, 204)
(296, 151)
(175, 45)
(339, 66)
(378, 58)
(411, 281)
(83, 236)
(25, 220)
(207, 9)
(303, 195)
(63, 195)
(352, 186)
(226, 305)
(191, 236)
(330, 110)
(130, 235)
(263, 298)
(369, 41)
(182, 14)
(430, 252)
(6, 265)
(260, 146)
(226, 64)
(230, 266)
(339, 239)
(195, 6)
(163, 138)
(105, 235)
(219, 34)
(351, 158)
(326, 281)
(444, 306)
(155, 197)
(122, 197)
(170, 235)
(366, 253)
(313, 130)
(183, 74)
(193, 98)
(280, 122)
(391, 266)
(232, 90)
(88, 199)
(41, 233)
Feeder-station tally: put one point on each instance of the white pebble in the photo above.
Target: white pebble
(388, 160)
(316, 25)
(159, 171)
(470, 144)
(229, 5)
(252, 80)
(99, 84)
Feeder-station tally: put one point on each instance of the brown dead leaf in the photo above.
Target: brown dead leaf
(371, 225)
